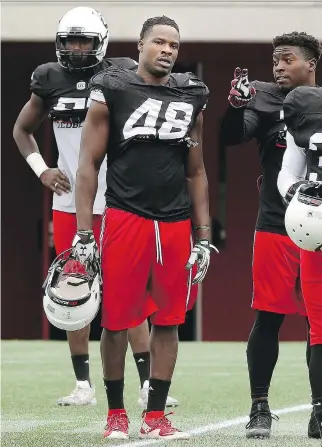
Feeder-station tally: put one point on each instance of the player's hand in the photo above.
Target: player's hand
(85, 249)
(307, 187)
(200, 254)
(55, 180)
(241, 91)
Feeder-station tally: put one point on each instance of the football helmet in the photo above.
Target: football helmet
(303, 217)
(72, 295)
(81, 22)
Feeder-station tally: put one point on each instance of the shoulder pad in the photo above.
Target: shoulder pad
(269, 98)
(186, 80)
(112, 78)
(302, 101)
(123, 62)
(40, 84)
(266, 87)
(110, 81)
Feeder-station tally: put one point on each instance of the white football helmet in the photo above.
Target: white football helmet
(72, 296)
(303, 218)
(86, 23)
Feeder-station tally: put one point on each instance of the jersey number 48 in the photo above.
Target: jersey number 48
(172, 127)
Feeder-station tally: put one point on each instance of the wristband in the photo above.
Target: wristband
(37, 163)
(202, 227)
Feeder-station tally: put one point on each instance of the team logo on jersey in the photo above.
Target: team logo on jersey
(81, 85)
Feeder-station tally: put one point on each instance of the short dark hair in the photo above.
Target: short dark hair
(310, 46)
(160, 20)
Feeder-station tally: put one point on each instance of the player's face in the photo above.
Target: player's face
(290, 69)
(79, 48)
(159, 50)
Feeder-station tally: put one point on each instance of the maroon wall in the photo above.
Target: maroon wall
(227, 289)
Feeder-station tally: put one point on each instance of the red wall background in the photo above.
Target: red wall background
(228, 288)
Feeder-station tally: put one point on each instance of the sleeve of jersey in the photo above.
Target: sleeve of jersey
(38, 84)
(290, 111)
(293, 166)
(205, 98)
(100, 89)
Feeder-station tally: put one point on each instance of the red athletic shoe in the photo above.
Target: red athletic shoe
(156, 425)
(117, 426)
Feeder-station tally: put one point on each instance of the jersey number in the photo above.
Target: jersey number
(173, 127)
(72, 104)
(316, 145)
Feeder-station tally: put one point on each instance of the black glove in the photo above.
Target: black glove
(241, 91)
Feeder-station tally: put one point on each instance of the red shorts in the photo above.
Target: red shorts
(311, 280)
(276, 271)
(141, 256)
(65, 227)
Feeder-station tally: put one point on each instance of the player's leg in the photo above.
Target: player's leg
(64, 226)
(126, 250)
(276, 263)
(311, 276)
(313, 428)
(170, 290)
(139, 338)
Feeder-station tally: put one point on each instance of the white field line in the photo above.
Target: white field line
(224, 424)
(18, 425)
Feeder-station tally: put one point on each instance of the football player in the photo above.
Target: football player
(61, 90)
(302, 173)
(151, 122)
(256, 111)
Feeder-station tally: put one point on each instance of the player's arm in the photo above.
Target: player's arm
(198, 191)
(293, 171)
(240, 122)
(28, 121)
(239, 125)
(93, 148)
(197, 183)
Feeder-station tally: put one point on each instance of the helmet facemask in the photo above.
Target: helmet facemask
(77, 58)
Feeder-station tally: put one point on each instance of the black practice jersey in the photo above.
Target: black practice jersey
(147, 151)
(66, 93)
(303, 116)
(263, 119)
(66, 97)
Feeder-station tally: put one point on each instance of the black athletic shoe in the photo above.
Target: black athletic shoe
(313, 429)
(260, 421)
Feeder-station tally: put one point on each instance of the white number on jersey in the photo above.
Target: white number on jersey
(172, 128)
(314, 140)
(72, 104)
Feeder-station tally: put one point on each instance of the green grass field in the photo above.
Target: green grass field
(211, 383)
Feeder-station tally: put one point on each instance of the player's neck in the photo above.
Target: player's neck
(153, 80)
(311, 82)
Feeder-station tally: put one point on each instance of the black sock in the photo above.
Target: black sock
(81, 367)
(315, 372)
(158, 393)
(262, 352)
(114, 393)
(142, 360)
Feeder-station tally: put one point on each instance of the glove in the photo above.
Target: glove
(85, 250)
(200, 254)
(241, 91)
(307, 187)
